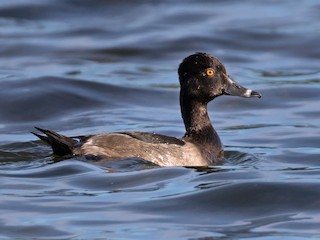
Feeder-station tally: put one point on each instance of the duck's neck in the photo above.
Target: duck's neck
(197, 122)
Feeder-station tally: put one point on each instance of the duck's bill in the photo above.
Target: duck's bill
(235, 89)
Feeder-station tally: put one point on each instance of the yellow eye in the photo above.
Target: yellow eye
(210, 72)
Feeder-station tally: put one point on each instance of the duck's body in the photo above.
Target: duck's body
(156, 148)
(202, 78)
(159, 149)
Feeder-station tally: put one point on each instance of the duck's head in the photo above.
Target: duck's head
(203, 77)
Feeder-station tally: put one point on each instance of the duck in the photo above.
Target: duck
(202, 78)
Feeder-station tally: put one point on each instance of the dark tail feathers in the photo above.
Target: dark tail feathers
(61, 145)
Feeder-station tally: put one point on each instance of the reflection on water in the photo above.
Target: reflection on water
(81, 68)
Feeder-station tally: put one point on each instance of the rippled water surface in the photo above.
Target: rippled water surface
(82, 67)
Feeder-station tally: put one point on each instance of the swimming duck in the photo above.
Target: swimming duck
(202, 78)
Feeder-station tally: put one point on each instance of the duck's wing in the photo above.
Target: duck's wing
(63, 145)
(154, 138)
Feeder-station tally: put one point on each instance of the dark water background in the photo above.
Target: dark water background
(83, 67)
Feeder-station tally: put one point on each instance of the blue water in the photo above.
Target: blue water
(83, 67)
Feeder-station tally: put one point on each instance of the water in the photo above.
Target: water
(82, 67)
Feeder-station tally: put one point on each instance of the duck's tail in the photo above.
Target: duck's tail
(61, 145)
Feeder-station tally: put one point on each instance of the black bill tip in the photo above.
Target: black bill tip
(250, 93)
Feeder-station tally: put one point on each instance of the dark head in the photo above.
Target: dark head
(203, 77)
